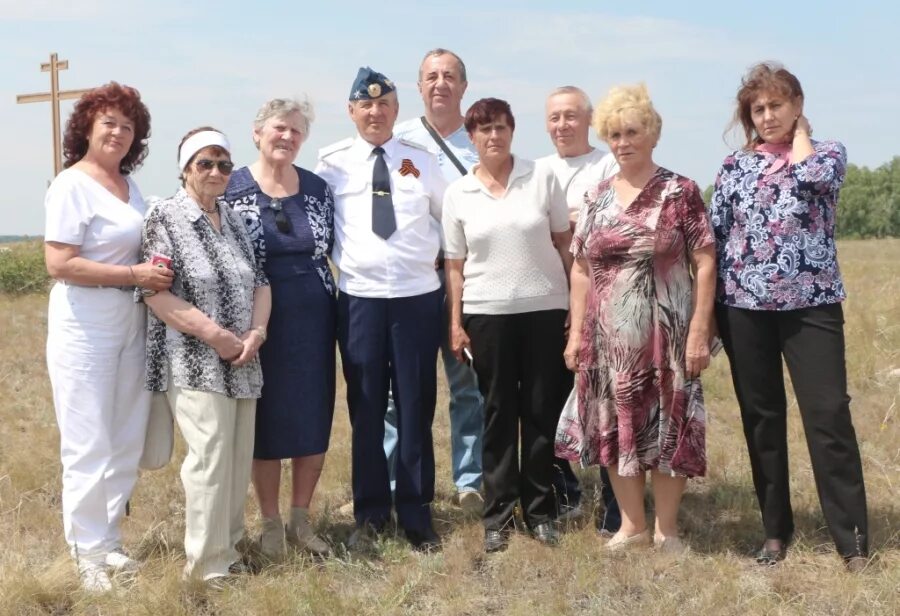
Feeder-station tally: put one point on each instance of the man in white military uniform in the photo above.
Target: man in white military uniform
(388, 195)
(442, 84)
(578, 167)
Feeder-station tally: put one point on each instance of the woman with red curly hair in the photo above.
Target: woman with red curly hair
(96, 332)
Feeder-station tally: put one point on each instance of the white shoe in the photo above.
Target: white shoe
(470, 501)
(621, 542)
(94, 578)
(671, 545)
(120, 562)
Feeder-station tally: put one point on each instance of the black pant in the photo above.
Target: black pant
(811, 340)
(391, 344)
(524, 382)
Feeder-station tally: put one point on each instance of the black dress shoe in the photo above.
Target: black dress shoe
(769, 558)
(856, 564)
(365, 536)
(425, 540)
(546, 533)
(495, 541)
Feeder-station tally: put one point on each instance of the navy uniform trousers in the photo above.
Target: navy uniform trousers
(391, 344)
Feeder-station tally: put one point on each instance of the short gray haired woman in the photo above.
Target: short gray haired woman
(289, 213)
(202, 344)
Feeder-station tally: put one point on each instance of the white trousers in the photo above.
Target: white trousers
(219, 432)
(95, 358)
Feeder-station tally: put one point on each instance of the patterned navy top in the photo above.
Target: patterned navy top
(245, 196)
(774, 232)
(217, 273)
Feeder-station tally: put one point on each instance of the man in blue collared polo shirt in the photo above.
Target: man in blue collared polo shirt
(442, 84)
(387, 199)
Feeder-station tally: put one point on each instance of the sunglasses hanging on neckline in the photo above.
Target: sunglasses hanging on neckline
(281, 220)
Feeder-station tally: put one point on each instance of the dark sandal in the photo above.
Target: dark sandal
(769, 558)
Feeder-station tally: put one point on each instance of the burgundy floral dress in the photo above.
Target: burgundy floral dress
(635, 407)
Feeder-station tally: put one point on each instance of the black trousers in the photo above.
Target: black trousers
(523, 378)
(811, 340)
(391, 344)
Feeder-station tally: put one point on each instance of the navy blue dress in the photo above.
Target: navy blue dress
(294, 414)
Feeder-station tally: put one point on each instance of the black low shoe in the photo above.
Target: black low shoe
(769, 558)
(546, 533)
(495, 541)
(424, 540)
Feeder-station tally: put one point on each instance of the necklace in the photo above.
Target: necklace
(213, 210)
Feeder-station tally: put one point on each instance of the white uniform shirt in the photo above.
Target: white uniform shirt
(578, 174)
(402, 265)
(81, 212)
(458, 142)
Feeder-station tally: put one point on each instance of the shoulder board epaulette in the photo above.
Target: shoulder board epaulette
(335, 147)
(412, 144)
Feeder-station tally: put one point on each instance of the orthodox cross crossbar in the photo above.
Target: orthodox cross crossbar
(53, 96)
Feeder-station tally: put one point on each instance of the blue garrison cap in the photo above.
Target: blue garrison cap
(370, 84)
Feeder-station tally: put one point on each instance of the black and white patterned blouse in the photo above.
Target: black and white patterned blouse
(217, 273)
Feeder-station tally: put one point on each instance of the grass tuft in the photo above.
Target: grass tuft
(719, 515)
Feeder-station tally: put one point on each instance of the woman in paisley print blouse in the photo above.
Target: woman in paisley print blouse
(779, 295)
(289, 213)
(202, 344)
(640, 328)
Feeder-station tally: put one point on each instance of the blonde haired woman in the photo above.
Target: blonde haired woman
(639, 325)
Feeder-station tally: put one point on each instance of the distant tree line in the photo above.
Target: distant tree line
(8, 239)
(869, 205)
(870, 202)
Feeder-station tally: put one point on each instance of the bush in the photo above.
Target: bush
(22, 268)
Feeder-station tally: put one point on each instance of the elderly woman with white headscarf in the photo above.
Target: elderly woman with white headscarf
(203, 338)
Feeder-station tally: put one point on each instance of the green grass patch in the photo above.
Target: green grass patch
(22, 268)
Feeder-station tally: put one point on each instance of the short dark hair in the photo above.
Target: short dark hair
(763, 77)
(486, 110)
(110, 96)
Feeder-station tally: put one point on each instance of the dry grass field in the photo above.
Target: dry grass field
(719, 515)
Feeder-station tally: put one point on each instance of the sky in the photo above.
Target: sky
(216, 62)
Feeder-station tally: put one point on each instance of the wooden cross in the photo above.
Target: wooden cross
(54, 96)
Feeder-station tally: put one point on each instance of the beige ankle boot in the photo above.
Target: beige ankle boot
(272, 540)
(300, 534)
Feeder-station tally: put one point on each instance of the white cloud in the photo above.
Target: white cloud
(595, 39)
(195, 66)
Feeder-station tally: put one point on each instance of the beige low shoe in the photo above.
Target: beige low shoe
(272, 540)
(301, 535)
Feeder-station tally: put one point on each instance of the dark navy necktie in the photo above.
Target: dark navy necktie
(383, 221)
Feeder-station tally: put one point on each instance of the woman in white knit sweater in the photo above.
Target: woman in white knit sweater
(507, 261)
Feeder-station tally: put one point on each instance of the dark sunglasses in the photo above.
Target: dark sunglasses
(281, 220)
(225, 166)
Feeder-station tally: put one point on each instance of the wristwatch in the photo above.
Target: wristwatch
(261, 332)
